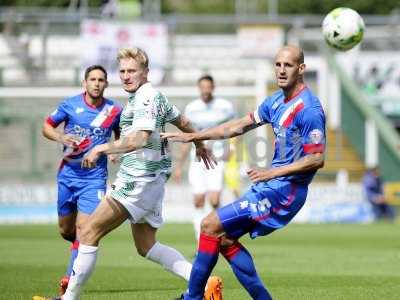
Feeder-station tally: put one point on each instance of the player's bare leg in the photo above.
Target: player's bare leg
(211, 225)
(107, 216)
(199, 213)
(144, 236)
(214, 198)
(66, 226)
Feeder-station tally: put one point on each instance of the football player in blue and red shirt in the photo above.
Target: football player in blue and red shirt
(89, 120)
(278, 192)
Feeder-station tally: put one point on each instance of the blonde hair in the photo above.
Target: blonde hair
(135, 53)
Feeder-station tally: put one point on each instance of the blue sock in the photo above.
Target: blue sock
(74, 254)
(243, 266)
(207, 256)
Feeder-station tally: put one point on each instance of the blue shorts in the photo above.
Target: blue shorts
(265, 207)
(79, 195)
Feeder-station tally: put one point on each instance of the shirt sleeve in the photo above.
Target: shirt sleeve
(59, 115)
(232, 112)
(188, 112)
(312, 129)
(172, 112)
(262, 114)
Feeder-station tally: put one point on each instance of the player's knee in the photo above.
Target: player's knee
(68, 233)
(144, 245)
(199, 201)
(215, 204)
(199, 205)
(142, 251)
(227, 242)
(209, 225)
(88, 234)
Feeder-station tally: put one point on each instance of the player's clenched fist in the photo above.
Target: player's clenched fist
(89, 160)
(69, 140)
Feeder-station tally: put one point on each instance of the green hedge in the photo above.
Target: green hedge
(228, 6)
(45, 3)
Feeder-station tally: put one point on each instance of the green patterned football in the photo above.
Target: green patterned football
(343, 28)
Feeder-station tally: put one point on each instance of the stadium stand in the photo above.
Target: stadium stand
(55, 60)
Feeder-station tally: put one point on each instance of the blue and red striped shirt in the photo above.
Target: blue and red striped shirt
(91, 125)
(299, 127)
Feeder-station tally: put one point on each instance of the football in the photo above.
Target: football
(343, 28)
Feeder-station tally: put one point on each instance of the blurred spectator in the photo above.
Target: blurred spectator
(205, 112)
(109, 8)
(371, 84)
(342, 179)
(373, 187)
(236, 165)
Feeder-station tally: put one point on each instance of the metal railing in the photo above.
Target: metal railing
(368, 130)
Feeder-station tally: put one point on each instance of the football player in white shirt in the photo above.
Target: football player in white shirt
(138, 191)
(203, 113)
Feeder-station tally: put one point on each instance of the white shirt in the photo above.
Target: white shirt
(204, 115)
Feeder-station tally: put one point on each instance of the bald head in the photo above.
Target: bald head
(289, 68)
(295, 51)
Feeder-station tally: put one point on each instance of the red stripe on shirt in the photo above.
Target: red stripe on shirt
(291, 116)
(61, 165)
(313, 148)
(82, 146)
(51, 122)
(92, 105)
(110, 118)
(85, 143)
(295, 95)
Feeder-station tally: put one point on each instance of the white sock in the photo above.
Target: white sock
(170, 259)
(199, 214)
(83, 267)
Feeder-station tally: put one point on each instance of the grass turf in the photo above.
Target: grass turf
(331, 261)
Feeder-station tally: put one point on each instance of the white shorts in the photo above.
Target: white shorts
(142, 199)
(203, 180)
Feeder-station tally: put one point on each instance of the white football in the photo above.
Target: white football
(343, 28)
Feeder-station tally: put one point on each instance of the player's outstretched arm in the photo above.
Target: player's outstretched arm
(307, 163)
(131, 142)
(224, 131)
(202, 152)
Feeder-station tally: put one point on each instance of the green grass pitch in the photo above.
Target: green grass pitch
(299, 262)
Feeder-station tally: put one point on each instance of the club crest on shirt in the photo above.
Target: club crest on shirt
(316, 136)
(78, 110)
(244, 204)
(280, 132)
(146, 102)
(150, 112)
